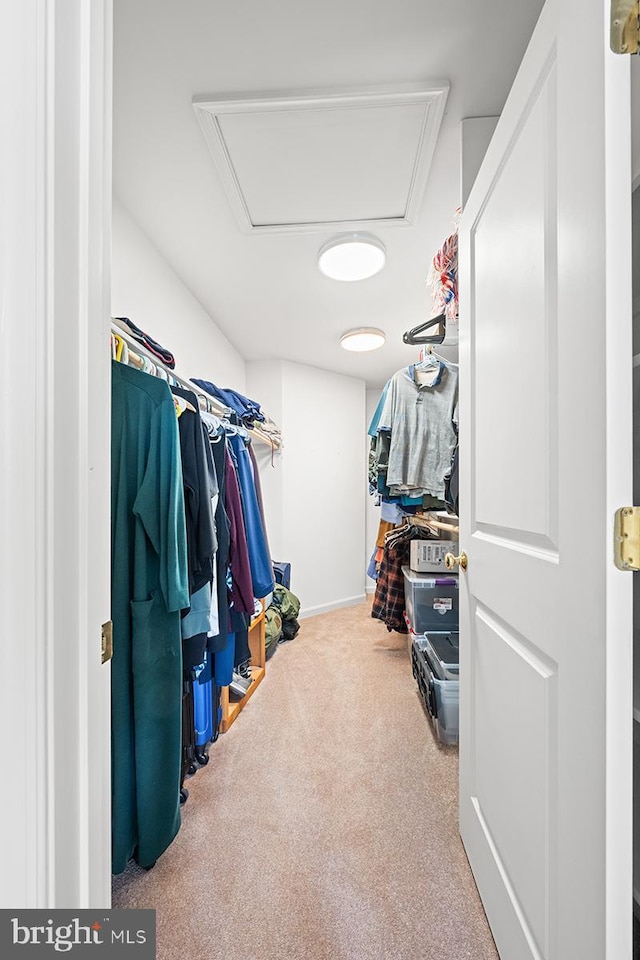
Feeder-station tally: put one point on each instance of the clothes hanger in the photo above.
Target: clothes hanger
(135, 360)
(180, 404)
(119, 344)
(183, 404)
(186, 404)
(430, 359)
(448, 363)
(413, 336)
(210, 417)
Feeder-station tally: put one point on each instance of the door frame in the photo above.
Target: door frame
(55, 255)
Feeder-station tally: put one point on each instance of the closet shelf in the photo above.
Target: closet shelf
(235, 706)
(137, 350)
(232, 708)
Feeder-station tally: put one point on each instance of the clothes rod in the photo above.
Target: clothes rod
(212, 404)
(423, 520)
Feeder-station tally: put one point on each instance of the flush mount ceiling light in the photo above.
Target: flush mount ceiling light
(362, 338)
(352, 256)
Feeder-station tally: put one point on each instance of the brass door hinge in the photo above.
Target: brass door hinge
(107, 641)
(624, 26)
(626, 545)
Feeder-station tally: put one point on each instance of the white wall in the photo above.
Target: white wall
(264, 383)
(146, 289)
(372, 512)
(324, 485)
(317, 520)
(315, 489)
(475, 135)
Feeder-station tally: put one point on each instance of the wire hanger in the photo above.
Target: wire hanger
(413, 336)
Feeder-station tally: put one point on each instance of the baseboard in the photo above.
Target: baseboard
(327, 607)
(371, 589)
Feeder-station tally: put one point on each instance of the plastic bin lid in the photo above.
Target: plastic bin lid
(446, 646)
(430, 579)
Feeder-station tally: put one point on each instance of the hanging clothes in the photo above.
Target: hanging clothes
(389, 599)
(200, 485)
(218, 639)
(388, 602)
(258, 485)
(200, 489)
(149, 589)
(260, 562)
(241, 591)
(420, 417)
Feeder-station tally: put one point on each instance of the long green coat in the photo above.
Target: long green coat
(149, 588)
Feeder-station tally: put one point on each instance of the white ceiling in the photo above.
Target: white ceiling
(264, 289)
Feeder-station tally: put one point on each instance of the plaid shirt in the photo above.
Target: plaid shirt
(388, 603)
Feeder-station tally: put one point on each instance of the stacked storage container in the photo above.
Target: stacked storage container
(431, 603)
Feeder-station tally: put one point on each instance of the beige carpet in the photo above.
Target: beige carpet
(325, 825)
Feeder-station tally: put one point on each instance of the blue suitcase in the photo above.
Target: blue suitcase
(206, 712)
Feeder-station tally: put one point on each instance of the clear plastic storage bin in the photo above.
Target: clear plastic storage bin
(443, 653)
(441, 697)
(431, 602)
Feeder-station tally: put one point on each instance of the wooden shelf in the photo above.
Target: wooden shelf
(232, 708)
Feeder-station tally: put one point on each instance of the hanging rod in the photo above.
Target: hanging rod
(211, 404)
(425, 520)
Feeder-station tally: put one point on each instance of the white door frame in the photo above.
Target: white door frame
(55, 215)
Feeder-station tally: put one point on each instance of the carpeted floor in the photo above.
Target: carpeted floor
(325, 825)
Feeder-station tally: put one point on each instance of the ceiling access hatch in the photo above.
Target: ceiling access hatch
(326, 159)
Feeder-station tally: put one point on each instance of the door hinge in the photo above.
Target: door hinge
(626, 545)
(107, 641)
(624, 26)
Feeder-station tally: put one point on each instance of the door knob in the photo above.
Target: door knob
(451, 561)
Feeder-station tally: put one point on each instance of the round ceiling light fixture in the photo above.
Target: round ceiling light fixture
(362, 339)
(352, 256)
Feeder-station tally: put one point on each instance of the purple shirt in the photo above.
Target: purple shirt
(241, 589)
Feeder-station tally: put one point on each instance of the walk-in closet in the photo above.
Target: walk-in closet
(320, 421)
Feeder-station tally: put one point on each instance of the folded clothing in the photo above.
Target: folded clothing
(248, 410)
(165, 356)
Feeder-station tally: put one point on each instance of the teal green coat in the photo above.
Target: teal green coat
(149, 588)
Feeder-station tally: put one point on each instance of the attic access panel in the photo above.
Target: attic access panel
(324, 160)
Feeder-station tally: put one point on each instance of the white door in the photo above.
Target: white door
(545, 328)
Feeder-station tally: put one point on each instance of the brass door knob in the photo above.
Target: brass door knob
(451, 561)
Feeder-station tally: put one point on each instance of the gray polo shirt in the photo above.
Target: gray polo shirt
(420, 411)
